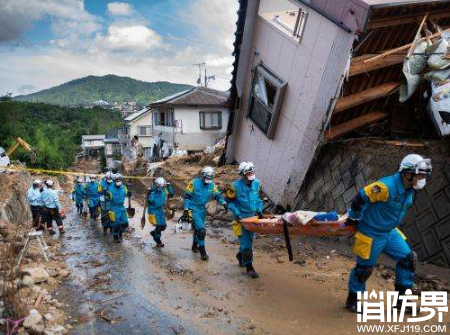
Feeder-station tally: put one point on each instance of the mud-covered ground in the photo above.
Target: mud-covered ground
(137, 288)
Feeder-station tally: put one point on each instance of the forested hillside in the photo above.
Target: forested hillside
(110, 88)
(53, 130)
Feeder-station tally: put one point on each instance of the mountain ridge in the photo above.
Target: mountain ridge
(110, 88)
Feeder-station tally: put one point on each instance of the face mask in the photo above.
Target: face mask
(119, 183)
(251, 178)
(109, 181)
(420, 184)
(207, 181)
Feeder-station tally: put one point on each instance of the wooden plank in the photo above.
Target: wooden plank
(417, 36)
(356, 123)
(370, 94)
(404, 47)
(358, 65)
(405, 19)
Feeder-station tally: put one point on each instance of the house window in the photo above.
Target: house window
(144, 130)
(210, 120)
(266, 98)
(163, 117)
(285, 15)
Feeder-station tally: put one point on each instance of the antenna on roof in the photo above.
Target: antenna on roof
(199, 80)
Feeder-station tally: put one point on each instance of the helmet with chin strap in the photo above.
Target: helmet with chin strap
(415, 164)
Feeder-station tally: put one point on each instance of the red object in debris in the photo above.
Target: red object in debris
(62, 214)
(274, 225)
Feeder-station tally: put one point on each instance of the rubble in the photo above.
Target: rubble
(34, 323)
(32, 276)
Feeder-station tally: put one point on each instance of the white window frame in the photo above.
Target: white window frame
(148, 131)
(209, 113)
(261, 70)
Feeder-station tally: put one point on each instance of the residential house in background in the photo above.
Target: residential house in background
(138, 129)
(192, 119)
(92, 144)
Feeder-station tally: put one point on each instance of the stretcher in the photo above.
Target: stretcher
(274, 225)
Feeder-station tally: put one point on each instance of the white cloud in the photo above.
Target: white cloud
(120, 9)
(69, 17)
(129, 38)
(84, 46)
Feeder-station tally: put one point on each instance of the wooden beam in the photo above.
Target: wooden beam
(356, 123)
(417, 36)
(404, 47)
(405, 19)
(358, 65)
(370, 94)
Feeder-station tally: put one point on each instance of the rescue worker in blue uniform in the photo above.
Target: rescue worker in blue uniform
(118, 214)
(377, 210)
(35, 202)
(105, 202)
(156, 200)
(52, 206)
(199, 192)
(79, 194)
(244, 200)
(93, 196)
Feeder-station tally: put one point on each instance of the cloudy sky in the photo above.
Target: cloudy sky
(44, 43)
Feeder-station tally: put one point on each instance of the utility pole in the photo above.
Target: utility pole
(199, 80)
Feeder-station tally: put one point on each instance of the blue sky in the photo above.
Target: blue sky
(44, 43)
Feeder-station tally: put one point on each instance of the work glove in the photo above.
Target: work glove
(129, 194)
(260, 215)
(238, 218)
(225, 206)
(351, 222)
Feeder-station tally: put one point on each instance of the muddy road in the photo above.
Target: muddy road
(136, 288)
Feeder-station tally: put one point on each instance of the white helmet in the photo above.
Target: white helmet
(241, 167)
(37, 182)
(108, 175)
(160, 182)
(248, 167)
(117, 176)
(88, 179)
(49, 183)
(415, 164)
(208, 173)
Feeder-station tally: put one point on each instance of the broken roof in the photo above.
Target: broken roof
(197, 96)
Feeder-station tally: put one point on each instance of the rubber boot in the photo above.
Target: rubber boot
(401, 291)
(194, 247)
(61, 230)
(352, 302)
(120, 235)
(105, 231)
(251, 271)
(203, 255)
(239, 258)
(51, 232)
(116, 238)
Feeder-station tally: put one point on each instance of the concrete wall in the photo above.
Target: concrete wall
(187, 133)
(341, 170)
(313, 70)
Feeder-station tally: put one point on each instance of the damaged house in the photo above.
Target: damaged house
(316, 94)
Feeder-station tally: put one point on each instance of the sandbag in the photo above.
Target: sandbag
(412, 67)
(437, 75)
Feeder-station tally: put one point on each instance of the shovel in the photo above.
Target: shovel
(144, 210)
(85, 213)
(130, 210)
